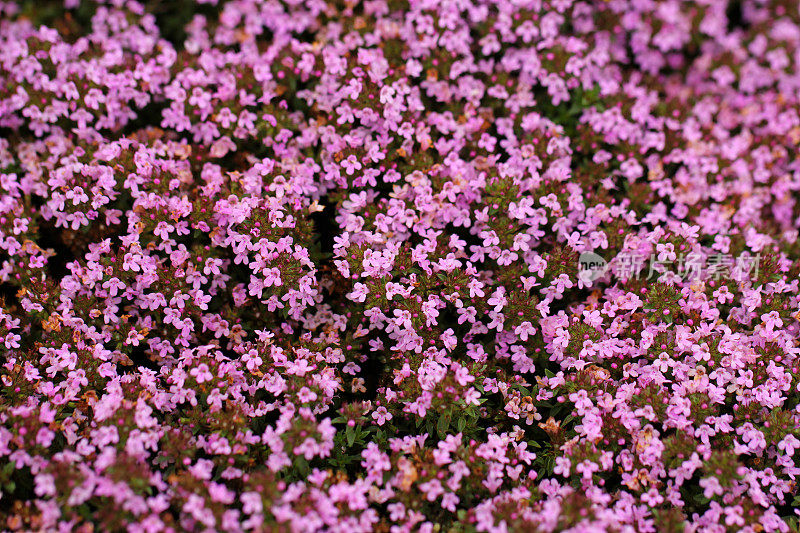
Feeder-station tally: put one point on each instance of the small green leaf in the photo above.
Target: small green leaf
(302, 466)
(442, 425)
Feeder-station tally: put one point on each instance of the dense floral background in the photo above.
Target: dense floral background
(322, 265)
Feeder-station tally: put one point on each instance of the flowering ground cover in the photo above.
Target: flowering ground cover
(428, 265)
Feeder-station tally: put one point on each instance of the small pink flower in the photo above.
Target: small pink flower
(381, 415)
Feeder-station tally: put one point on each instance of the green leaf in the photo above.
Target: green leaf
(442, 425)
(302, 466)
(350, 434)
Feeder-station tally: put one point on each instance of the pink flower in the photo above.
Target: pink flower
(351, 164)
(524, 330)
(381, 415)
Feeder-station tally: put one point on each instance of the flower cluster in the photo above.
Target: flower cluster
(315, 265)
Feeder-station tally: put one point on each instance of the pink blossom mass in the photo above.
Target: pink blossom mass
(400, 265)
